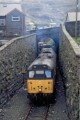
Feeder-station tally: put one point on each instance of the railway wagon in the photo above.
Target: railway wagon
(46, 43)
(41, 75)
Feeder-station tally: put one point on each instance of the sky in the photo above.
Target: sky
(10, 0)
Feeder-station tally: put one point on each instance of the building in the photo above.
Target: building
(71, 17)
(71, 22)
(12, 19)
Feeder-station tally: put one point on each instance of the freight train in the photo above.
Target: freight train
(41, 75)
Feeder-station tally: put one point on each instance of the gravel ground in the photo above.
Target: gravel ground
(17, 108)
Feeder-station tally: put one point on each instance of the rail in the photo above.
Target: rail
(40, 112)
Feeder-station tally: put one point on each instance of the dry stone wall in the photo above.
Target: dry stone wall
(15, 57)
(70, 68)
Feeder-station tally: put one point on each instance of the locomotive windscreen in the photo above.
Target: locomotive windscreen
(40, 74)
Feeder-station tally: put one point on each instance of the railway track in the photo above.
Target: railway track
(37, 113)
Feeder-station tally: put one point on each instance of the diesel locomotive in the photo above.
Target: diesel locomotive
(41, 75)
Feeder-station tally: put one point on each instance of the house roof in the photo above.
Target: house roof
(71, 16)
(7, 8)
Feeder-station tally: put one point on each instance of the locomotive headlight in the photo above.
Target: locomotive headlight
(39, 89)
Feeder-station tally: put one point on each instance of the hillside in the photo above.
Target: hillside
(45, 12)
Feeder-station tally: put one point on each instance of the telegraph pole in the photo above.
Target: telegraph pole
(76, 22)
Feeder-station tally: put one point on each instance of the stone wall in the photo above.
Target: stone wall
(69, 53)
(15, 57)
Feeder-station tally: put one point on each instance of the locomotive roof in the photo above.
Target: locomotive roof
(47, 50)
(47, 59)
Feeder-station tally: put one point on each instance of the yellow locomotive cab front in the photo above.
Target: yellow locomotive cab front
(40, 86)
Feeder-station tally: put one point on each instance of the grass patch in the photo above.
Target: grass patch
(77, 40)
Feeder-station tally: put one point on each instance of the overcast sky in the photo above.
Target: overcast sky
(10, 0)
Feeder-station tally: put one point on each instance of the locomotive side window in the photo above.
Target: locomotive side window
(48, 73)
(31, 74)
